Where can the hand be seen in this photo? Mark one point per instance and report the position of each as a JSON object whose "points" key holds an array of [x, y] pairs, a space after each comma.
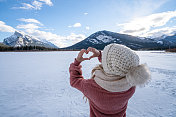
{"points": [[95, 52], [80, 55]]}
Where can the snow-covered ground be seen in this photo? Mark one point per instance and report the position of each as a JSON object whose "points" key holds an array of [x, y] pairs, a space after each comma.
{"points": [[36, 84]]}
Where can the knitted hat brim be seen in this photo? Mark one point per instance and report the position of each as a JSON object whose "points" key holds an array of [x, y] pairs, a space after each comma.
{"points": [[104, 58]]}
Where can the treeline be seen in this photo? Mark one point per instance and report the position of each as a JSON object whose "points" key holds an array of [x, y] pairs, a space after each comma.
{"points": [[171, 50], [159, 48], [27, 48], [40, 48]]}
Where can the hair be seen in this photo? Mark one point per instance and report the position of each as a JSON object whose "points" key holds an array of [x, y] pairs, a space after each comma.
{"points": [[98, 67]]}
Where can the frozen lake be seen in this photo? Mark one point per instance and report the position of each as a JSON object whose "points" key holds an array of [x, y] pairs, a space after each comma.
{"points": [[36, 84]]}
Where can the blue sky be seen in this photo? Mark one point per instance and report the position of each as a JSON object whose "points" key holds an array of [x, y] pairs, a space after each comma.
{"points": [[65, 22]]}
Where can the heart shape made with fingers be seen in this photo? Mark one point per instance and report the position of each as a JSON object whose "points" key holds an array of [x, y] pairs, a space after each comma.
{"points": [[87, 55]]}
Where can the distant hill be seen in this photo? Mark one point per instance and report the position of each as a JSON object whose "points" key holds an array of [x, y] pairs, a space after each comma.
{"points": [[3, 45], [168, 40], [102, 38], [19, 39]]}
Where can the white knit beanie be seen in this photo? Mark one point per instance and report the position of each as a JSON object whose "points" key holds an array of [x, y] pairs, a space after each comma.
{"points": [[122, 61]]}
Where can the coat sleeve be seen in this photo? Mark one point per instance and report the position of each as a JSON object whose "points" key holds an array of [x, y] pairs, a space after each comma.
{"points": [[76, 79]]}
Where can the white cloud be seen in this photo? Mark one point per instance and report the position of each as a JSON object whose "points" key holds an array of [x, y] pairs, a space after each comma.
{"points": [[160, 32], [36, 4], [28, 26], [60, 41], [85, 13], [48, 2], [33, 30], [140, 26], [75, 37], [53, 38], [87, 28], [24, 6], [76, 25], [5, 28], [30, 21]]}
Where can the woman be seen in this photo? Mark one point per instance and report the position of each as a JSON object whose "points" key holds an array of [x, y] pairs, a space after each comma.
{"points": [[113, 81]]}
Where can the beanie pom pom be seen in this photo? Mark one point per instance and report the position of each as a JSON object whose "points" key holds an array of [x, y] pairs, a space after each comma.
{"points": [[139, 75]]}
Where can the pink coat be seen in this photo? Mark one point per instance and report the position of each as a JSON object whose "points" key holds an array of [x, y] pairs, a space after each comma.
{"points": [[102, 102]]}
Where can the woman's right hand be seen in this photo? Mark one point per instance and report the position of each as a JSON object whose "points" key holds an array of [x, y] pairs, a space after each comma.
{"points": [[95, 52]]}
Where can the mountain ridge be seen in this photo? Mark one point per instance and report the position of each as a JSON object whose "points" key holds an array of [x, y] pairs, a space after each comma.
{"points": [[19, 39], [97, 40], [100, 39]]}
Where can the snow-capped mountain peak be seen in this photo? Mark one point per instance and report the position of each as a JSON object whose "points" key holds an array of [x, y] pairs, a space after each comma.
{"points": [[19, 39], [102, 38], [19, 34]]}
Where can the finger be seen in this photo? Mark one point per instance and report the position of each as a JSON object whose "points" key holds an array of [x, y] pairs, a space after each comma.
{"points": [[86, 52], [85, 58], [93, 50], [89, 49], [82, 52], [91, 57]]}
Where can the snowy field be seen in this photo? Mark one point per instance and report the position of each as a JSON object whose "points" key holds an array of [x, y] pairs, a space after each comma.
{"points": [[36, 84]]}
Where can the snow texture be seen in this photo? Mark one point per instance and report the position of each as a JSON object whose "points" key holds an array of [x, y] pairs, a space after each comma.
{"points": [[105, 39], [94, 41], [36, 84]]}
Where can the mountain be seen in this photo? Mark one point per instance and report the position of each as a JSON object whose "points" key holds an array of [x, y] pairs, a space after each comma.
{"points": [[168, 40], [19, 39], [3, 45], [102, 38]]}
